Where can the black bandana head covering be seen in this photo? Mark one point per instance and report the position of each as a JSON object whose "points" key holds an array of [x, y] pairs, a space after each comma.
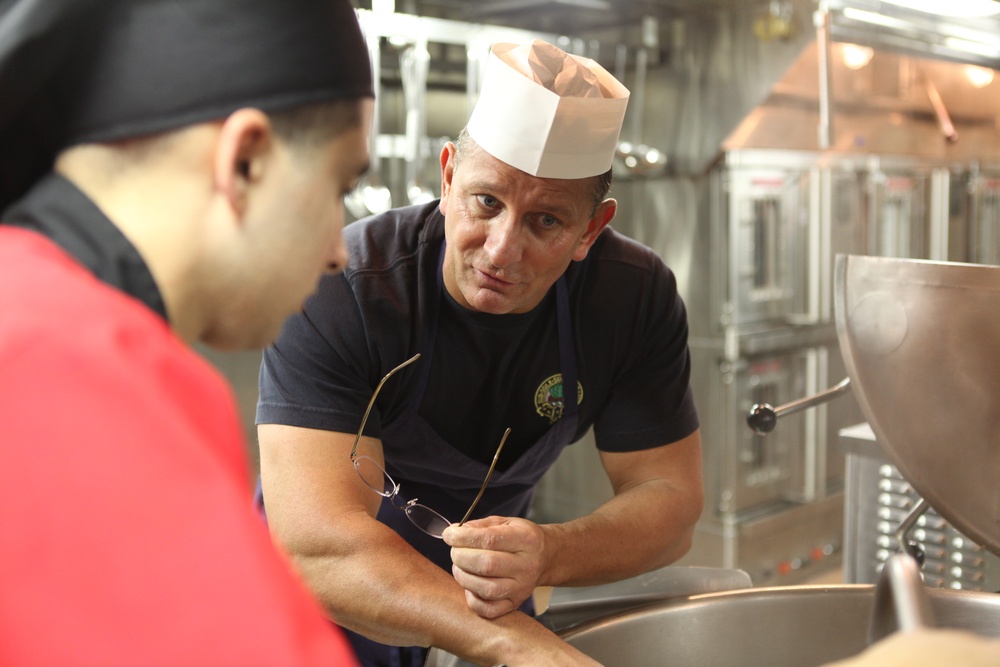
{"points": [[74, 71]]}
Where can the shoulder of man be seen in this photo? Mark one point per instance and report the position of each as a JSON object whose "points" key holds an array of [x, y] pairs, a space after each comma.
{"points": [[59, 310], [380, 241], [617, 257], [612, 244]]}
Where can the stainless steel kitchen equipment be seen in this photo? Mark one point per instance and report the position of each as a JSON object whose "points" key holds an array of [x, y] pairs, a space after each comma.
{"points": [[770, 512], [766, 213], [766, 334], [919, 341], [975, 214], [799, 626], [570, 606], [905, 209]]}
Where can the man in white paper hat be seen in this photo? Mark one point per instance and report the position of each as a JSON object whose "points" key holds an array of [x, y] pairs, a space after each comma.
{"points": [[529, 313]]}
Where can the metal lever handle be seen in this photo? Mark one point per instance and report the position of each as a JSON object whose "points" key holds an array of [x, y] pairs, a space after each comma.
{"points": [[762, 417], [901, 601], [906, 545]]}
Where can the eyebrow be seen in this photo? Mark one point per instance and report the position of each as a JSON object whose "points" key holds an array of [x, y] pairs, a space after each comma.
{"points": [[563, 211], [488, 186]]}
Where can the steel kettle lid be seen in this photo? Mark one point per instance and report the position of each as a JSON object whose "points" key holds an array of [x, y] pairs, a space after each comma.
{"points": [[921, 341]]}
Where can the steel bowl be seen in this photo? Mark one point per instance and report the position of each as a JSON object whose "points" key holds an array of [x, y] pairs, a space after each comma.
{"points": [[798, 626]]}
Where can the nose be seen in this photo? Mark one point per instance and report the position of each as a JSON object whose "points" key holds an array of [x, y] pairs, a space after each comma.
{"points": [[504, 243], [337, 257]]}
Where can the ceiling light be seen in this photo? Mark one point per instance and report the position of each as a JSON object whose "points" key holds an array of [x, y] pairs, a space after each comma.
{"points": [[953, 8], [968, 46], [874, 18], [979, 77], [856, 56]]}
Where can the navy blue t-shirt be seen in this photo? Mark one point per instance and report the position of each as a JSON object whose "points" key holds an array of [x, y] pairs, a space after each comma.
{"points": [[488, 372]]}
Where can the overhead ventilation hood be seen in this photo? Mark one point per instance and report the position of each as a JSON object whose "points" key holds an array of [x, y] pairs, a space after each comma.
{"points": [[723, 87], [718, 80], [962, 31], [892, 104]]}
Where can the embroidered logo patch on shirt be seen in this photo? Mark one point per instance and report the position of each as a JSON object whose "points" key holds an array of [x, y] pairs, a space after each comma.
{"points": [[550, 398]]}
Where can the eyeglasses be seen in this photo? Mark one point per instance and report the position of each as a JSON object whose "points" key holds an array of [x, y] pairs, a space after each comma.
{"points": [[379, 481]]}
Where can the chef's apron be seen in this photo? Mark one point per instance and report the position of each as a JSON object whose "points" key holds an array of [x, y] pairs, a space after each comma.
{"points": [[429, 469]]}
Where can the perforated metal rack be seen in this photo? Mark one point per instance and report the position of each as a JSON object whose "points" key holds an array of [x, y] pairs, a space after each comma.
{"points": [[877, 499]]}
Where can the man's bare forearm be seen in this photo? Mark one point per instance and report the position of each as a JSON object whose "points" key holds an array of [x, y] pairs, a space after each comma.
{"points": [[374, 583]]}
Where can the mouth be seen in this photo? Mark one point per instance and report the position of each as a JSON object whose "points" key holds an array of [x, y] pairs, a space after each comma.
{"points": [[491, 281]]}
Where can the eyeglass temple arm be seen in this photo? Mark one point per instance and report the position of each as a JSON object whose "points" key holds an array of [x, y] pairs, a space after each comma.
{"points": [[487, 480], [378, 388]]}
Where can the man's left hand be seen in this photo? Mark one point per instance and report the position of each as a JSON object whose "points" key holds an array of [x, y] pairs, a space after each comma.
{"points": [[497, 560]]}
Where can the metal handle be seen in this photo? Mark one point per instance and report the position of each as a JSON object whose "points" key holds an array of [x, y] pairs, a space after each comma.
{"points": [[906, 545], [762, 417], [941, 111], [901, 601]]}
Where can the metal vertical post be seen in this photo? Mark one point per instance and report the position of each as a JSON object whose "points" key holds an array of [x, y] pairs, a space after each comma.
{"points": [[821, 20]]}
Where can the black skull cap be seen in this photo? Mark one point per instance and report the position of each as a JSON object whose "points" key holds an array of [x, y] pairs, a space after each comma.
{"points": [[77, 71]]}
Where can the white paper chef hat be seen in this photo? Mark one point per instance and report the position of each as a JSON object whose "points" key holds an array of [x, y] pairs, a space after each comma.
{"points": [[548, 113]]}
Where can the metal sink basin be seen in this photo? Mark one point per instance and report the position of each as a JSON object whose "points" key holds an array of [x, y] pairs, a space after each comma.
{"points": [[797, 626]]}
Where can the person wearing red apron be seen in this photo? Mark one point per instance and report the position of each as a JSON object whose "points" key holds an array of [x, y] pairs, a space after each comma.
{"points": [[128, 535]]}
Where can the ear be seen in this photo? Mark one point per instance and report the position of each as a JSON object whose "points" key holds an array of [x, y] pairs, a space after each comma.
{"points": [[244, 144], [447, 160], [602, 216]]}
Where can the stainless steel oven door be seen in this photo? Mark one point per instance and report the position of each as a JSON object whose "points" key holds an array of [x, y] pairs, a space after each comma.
{"points": [[769, 229], [984, 232], [899, 220], [763, 470]]}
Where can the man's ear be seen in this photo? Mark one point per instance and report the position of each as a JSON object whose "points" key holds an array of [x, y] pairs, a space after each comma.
{"points": [[447, 173], [602, 216], [244, 144]]}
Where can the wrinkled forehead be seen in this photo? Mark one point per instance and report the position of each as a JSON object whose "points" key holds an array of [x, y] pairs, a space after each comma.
{"points": [[478, 172]]}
